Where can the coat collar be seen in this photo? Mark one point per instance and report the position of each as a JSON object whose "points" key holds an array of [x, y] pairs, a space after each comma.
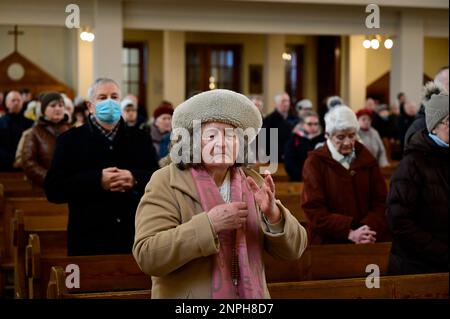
{"points": [[363, 157], [183, 181]]}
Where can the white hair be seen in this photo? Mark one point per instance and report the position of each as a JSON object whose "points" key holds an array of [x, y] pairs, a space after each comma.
{"points": [[340, 118], [99, 81]]}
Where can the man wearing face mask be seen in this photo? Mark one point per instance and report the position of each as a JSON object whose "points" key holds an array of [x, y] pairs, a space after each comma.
{"points": [[100, 169]]}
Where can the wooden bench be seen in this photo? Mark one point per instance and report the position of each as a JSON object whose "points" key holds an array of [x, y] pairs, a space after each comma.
{"points": [[288, 188], [51, 229], [56, 289], [97, 273], [391, 287], [6, 176], [293, 203], [394, 287], [320, 262], [26, 204]]}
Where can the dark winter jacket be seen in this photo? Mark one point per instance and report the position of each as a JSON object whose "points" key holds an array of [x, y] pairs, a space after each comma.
{"points": [[276, 120], [296, 151], [11, 129], [418, 204]]}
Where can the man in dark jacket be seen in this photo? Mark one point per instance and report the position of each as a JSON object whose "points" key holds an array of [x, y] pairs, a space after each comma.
{"points": [[278, 119], [418, 199], [12, 126], [100, 169]]}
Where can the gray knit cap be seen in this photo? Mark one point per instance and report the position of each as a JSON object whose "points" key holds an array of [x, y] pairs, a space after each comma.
{"points": [[436, 104], [219, 105]]}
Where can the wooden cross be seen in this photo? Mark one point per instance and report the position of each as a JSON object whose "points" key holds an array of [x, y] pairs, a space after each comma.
{"points": [[16, 34]]}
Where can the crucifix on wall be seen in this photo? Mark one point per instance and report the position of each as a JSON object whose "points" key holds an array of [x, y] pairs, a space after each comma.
{"points": [[16, 34]]}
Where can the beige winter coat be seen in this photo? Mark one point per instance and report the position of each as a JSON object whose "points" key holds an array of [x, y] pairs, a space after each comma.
{"points": [[175, 243]]}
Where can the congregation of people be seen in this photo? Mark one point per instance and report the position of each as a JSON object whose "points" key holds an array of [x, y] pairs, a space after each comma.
{"points": [[108, 163]]}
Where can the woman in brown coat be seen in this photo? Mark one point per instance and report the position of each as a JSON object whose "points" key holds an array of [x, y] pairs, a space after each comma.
{"points": [[344, 192], [39, 143], [204, 221]]}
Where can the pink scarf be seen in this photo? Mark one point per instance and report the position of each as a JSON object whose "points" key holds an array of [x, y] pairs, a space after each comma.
{"points": [[247, 239]]}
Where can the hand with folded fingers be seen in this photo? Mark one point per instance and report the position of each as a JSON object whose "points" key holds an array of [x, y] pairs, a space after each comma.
{"points": [[117, 180], [362, 235]]}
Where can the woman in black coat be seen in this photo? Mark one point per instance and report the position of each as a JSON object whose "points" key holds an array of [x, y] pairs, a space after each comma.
{"points": [[418, 200]]}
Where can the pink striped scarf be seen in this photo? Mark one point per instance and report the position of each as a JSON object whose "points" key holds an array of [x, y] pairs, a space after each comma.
{"points": [[247, 239]]}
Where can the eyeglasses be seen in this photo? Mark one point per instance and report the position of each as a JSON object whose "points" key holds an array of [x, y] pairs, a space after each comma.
{"points": [[445, 122], [312, 124]]}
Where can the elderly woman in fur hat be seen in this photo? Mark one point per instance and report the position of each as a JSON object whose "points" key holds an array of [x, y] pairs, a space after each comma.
{"points": [[344, 191], [201, 228], [418, 197]]}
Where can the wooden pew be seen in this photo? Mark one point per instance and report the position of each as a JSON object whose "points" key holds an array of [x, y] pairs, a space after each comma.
{"points": [[320, 262], [346, 260], [97, 273], [293, 203], [28, 204], [6, 176], [51, 228], [56, 289], [288, 188], [391, 287]]}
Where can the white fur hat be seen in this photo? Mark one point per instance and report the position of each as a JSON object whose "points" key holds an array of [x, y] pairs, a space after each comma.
{"points": [[218, 105], [340, 118]]}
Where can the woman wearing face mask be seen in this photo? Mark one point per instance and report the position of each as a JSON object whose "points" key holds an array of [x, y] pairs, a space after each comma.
{"points": [[39, 143], [202, 226], [100, 169], [344, 192], [418, 198]]}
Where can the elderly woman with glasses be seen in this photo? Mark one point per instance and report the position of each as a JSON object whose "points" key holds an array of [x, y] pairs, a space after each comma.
{"points": [[205, 219], [418, 199], [344, 191]]}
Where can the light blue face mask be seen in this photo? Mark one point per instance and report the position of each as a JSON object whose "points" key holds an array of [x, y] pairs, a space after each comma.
{"points": [[108, 111]]}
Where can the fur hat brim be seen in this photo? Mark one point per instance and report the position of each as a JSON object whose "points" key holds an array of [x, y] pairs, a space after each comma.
{"points": [[222, 106]]}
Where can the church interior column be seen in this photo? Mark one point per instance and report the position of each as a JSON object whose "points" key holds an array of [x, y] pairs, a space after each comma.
{"points": [[356, 72], [407, 59], [174, 60], [108, 30], [84, 65], [273, 69]]}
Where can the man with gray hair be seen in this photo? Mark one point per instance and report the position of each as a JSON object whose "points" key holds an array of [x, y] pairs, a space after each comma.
{"points": [[100, 169], [278, 119], [12, 125]]}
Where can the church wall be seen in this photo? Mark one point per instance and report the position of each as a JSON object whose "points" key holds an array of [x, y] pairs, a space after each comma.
{"points": [[47, 47]]}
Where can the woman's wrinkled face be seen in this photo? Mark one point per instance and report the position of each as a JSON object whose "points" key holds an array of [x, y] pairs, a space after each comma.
{"points": [[220, 145], [55, 111], [344, 140]]}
